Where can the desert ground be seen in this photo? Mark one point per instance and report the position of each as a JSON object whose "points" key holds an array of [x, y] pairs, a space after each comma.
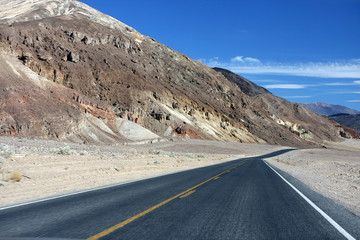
{"points": [[32, 169]]}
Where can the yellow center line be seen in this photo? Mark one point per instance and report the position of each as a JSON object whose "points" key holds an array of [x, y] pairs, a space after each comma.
{"points": [[187, 194], [117, 226], [216, 178]]}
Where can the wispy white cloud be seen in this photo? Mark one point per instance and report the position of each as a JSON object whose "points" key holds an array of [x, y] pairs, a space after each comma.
{"points": [[285, 86], [249, 65], [214, 61], [338, 84], [245, 60], [342, 83], [309, 70], [353, 101], [252, 60], [267, 81], [296, 97], [238, 59], [344, 92]]}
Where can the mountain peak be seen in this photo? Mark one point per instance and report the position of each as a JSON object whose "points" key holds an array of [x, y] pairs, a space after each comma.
{"points": [[13, 11]]}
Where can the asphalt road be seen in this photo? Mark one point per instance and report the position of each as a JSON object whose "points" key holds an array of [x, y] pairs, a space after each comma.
{"points": [[242, 199]]}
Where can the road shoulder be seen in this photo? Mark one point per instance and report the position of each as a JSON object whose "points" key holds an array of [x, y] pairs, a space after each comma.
{"points": [[343, 216]]}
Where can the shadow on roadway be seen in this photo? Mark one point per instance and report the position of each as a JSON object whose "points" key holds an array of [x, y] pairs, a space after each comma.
{"points": [[273, 154]]}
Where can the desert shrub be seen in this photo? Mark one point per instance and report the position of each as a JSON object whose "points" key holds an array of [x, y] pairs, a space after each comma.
{"points": [[172, 154], [15, 176], [84, 153], [190, 155], [6, 151], [65, 151], [2, 161], [157, 162], [157, 152], [133, 151], [154, 151]]}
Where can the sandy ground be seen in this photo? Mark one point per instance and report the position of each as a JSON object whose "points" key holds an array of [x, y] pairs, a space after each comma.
{"points": [[33, 169], [335, 173], [46, 175]]}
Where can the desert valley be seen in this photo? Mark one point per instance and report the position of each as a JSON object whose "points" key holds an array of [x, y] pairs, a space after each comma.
{"points": [[87, 101]]}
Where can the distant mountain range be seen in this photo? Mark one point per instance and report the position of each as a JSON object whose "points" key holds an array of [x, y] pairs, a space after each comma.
{"points": [[329, 109]]}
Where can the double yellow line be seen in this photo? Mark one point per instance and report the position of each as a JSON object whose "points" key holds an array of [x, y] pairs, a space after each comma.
{"points": [[186, 192]]}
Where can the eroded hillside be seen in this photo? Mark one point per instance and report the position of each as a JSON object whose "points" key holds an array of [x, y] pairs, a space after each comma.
{"points": [[138, 79]]}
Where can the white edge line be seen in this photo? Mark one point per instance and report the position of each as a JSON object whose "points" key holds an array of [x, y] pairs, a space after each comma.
{"points": [[102, 187], [327, 217]]}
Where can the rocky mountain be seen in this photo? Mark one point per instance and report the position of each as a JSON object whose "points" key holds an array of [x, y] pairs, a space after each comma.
{"points": [[69, 72], [245, 85], [297, 118], [349, 120], [326, 109]]}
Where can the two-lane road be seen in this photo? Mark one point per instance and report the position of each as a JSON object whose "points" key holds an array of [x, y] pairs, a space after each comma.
{"points": [[242, 199]]}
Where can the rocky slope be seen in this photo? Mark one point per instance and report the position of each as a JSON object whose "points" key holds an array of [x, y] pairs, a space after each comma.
{"points": [[326, 109], [32, 106], [295, 117], [99, 68], [245, 85], [349, 120]]}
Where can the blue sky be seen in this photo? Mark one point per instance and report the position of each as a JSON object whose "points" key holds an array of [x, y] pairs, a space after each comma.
{"points": [[304, 51]]}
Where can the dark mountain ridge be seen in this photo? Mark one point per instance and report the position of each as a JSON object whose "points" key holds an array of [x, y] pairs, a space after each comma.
{"points": [[246, 86], [349, 120], [326, 109]]}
